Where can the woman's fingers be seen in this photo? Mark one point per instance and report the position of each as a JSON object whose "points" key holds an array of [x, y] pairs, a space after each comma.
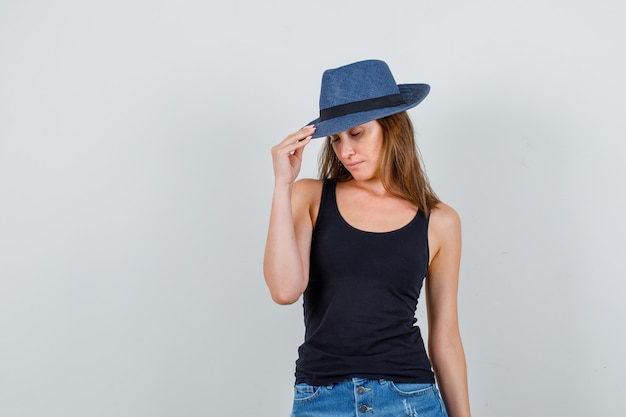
{"points": [[294, 140], [287, 154]]}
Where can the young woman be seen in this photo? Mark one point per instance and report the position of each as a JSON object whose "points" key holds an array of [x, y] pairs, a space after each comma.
{"points": [[358, 245]]}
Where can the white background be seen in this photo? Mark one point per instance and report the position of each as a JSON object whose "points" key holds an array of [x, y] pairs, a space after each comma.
{"points": [[135, 182]]}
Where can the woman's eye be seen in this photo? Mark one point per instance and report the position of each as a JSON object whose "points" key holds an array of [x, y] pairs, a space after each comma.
{"points": [[354, 134], [334, 140]]}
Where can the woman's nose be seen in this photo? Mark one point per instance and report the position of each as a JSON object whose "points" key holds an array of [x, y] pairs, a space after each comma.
{"points": [[346, 149]]}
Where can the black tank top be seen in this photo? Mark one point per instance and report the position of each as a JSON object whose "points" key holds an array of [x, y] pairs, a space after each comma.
{"points": [[359, 306]]}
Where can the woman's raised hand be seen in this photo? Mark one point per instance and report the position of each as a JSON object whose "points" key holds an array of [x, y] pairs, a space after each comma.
{"points": [[287, 155]]}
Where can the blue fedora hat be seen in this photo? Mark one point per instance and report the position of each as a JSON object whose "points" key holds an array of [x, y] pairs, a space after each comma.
{"points": [[361, 92]]}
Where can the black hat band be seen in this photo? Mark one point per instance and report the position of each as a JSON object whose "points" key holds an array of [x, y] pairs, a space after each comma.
{"points": [[363, 105]]}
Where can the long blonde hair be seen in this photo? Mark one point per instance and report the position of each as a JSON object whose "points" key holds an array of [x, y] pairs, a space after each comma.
{"points": [[402, 173]]}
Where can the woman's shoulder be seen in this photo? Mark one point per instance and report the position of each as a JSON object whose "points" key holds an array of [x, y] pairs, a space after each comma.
{"points": [[306, 195], [308, 187], [444, 220], [444, 232]]}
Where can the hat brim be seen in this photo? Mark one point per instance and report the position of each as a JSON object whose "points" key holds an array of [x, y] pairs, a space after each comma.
{"points": [[412, 94]]}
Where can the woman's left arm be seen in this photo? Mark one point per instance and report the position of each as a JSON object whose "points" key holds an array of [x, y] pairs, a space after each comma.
{"points": [[444, 338]]}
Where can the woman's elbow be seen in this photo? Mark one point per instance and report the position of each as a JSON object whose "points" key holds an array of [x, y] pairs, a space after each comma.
{"points": [[282, 293], [284, 289], [284, 301], [284, 297]]}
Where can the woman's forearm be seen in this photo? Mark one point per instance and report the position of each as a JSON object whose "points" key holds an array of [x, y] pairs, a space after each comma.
{"points": [[450, 368]]}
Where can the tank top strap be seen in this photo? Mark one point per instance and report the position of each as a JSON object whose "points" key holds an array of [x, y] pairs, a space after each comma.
{"points": [[328, 202]]}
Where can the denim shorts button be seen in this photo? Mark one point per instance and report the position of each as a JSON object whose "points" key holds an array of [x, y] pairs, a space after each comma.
{"points": [[361, 390], [363, 408]]}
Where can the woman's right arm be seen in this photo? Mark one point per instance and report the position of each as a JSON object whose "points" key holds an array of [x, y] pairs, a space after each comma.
{"points": [[286, 262]]}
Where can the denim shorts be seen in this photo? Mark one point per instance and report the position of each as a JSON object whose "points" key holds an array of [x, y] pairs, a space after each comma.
{"points": [[367, 397]]}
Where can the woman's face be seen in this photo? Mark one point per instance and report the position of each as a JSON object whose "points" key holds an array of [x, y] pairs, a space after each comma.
{"points": [[360, 150]]}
